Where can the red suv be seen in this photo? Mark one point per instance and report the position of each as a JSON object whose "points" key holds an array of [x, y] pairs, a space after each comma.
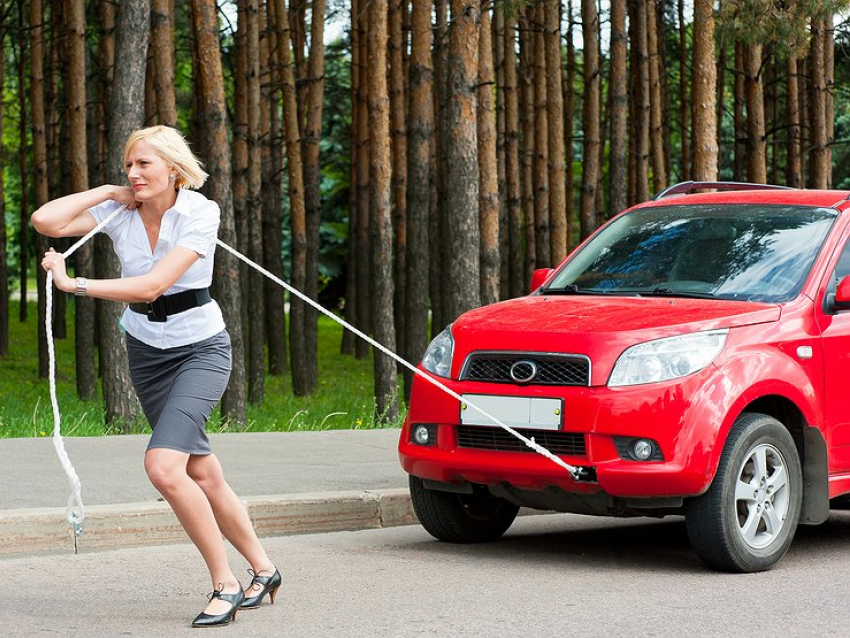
{"points": [[689, 358]]}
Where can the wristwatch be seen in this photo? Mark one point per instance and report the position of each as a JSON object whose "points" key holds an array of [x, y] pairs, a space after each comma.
{"points": [[81, 287]]}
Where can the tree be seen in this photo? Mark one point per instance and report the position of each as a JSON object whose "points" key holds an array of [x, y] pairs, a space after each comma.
{"points": [[488, 198], [386, 400], [754, 94], [306, 371], [162, 50], [590, 117], [703, 95], [420, 131], [398, 138], [126, 113], [78, 166], [461, 218], [254, 211], [555, 99], [213, 114], [512, 160], [39, 158], [619, 108], [542, 220]]}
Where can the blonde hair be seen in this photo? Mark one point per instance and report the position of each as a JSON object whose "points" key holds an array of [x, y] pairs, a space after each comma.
{"points": [[170, 145]]}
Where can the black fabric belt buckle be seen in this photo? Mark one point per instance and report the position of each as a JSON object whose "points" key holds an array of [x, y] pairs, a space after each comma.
{"points": [[162, 307]]}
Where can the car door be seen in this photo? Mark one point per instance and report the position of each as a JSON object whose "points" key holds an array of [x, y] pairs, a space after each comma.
{"points": [[835, 335]]}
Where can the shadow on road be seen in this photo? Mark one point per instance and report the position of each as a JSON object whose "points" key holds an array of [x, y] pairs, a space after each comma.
{"points": [[630, 544]]}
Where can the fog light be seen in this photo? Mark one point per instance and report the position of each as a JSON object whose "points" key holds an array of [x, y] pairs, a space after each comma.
{"points": [[424, 434], [643, 449]]}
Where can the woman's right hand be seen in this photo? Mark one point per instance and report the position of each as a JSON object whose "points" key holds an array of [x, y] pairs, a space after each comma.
{"points": [[125, 196]]}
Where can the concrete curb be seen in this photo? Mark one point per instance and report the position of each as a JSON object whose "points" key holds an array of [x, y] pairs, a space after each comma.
{"points": [[38, 531]]}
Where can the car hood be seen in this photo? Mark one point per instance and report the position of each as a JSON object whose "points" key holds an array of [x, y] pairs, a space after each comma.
{"points": [[595, 326]]}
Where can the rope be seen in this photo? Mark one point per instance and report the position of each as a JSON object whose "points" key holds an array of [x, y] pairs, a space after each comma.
{"points": [[75, 519], [575, 472]]}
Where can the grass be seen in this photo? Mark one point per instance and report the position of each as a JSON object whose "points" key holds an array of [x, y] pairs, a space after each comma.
{"points": [[343, 400]]}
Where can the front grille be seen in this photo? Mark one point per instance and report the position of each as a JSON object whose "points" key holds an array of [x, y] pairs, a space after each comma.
{"points": [[487, 438], [552, 369]]}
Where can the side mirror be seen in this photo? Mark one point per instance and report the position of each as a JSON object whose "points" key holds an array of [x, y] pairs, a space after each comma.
{"points": [[842, 295], [542, 274]]}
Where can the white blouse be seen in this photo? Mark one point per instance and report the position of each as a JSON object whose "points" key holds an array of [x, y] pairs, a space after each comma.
{"points": [[191, 223]]}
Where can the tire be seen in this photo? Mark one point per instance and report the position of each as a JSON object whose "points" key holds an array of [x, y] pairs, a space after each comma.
{"points": [[743, 530], [479, 517]]}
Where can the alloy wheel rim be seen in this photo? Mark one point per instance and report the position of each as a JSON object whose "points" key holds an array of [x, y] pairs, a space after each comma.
{"points": [[762, 496]]}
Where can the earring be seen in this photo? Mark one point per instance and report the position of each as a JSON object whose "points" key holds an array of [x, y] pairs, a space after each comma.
{"points": [[171, 178]]}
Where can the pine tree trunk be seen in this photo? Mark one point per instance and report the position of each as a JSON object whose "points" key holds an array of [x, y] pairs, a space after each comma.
{"points": [[569, 118], [818, 159], [255, 302], [641, 101], [590, 117], [273, 198], [794, 170], [309, 375], [542, 220], [754, 90], [298, 221], [39, 157], [555, 98], [162, 50], [23, 215], [398, 138], [656, 103], [463, 234], [386, 400], [126, 114], [740, 166], [516, 278], [619, 108], [84, 320], [420, 133], [488, 197], [363, 245], [684, 103], [210, 91], [347, 346], [702, 92], [527, 70]]}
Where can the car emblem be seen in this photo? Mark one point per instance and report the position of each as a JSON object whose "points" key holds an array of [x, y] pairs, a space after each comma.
{"points": [[523, 371]]}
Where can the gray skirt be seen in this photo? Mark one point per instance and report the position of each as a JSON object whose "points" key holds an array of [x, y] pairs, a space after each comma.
{"points": [[178, 389]]}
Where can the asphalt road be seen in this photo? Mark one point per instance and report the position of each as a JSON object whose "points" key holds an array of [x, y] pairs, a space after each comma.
{"points": [[553, 575]]}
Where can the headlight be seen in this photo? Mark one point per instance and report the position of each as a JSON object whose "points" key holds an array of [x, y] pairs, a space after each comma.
{"points": [[665, 359], [438, 355]]}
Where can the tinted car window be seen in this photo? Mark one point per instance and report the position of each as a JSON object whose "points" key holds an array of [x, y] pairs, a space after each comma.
{"points": [[753, 253]]}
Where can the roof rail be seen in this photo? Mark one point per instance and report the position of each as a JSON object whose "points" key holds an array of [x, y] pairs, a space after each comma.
{"points": [[683, 188]]}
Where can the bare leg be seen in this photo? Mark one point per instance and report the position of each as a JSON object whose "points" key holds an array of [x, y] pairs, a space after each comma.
{"points": [[167, 470], [230, 513]]}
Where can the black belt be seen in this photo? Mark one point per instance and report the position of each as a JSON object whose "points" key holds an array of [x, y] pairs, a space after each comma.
{"points": [[162, 307]]}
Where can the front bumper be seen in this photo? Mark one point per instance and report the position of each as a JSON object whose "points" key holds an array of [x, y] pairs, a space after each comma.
{"points": [[682, 416]]}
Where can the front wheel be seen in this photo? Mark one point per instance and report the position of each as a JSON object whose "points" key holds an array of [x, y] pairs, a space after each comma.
{"points": [[461, 518], [746, 520]]}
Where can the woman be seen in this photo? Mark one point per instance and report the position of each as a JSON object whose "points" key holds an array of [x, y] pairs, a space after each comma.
{"points": [[177, 345]]}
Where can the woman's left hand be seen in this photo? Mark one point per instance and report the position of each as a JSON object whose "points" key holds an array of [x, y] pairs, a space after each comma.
{"points": [[55, 262]]}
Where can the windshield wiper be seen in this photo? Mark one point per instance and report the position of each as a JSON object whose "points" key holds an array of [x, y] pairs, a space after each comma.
{"points": [[661, 291], [572, 289]]}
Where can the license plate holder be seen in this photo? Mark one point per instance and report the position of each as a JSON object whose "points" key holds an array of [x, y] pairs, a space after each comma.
{"points": [[536, 413]]}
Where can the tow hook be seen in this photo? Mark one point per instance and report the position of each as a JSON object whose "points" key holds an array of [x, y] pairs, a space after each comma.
{"points": [[585, 474]]}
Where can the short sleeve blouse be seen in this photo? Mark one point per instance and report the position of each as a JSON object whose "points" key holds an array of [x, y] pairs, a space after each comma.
{"points": [[191, 223]]}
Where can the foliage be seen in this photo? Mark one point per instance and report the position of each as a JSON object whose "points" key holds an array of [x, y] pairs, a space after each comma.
{"points": [[342, 401]]}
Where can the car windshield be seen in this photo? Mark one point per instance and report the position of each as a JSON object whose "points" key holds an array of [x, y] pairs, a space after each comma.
{"points": [[753, 253]]}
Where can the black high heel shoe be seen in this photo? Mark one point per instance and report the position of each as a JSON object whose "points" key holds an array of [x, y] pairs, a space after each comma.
{"points": [[268, 585], [218, 620]]}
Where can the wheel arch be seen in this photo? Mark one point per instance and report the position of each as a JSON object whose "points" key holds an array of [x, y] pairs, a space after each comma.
{"points": [[811, 448]]}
